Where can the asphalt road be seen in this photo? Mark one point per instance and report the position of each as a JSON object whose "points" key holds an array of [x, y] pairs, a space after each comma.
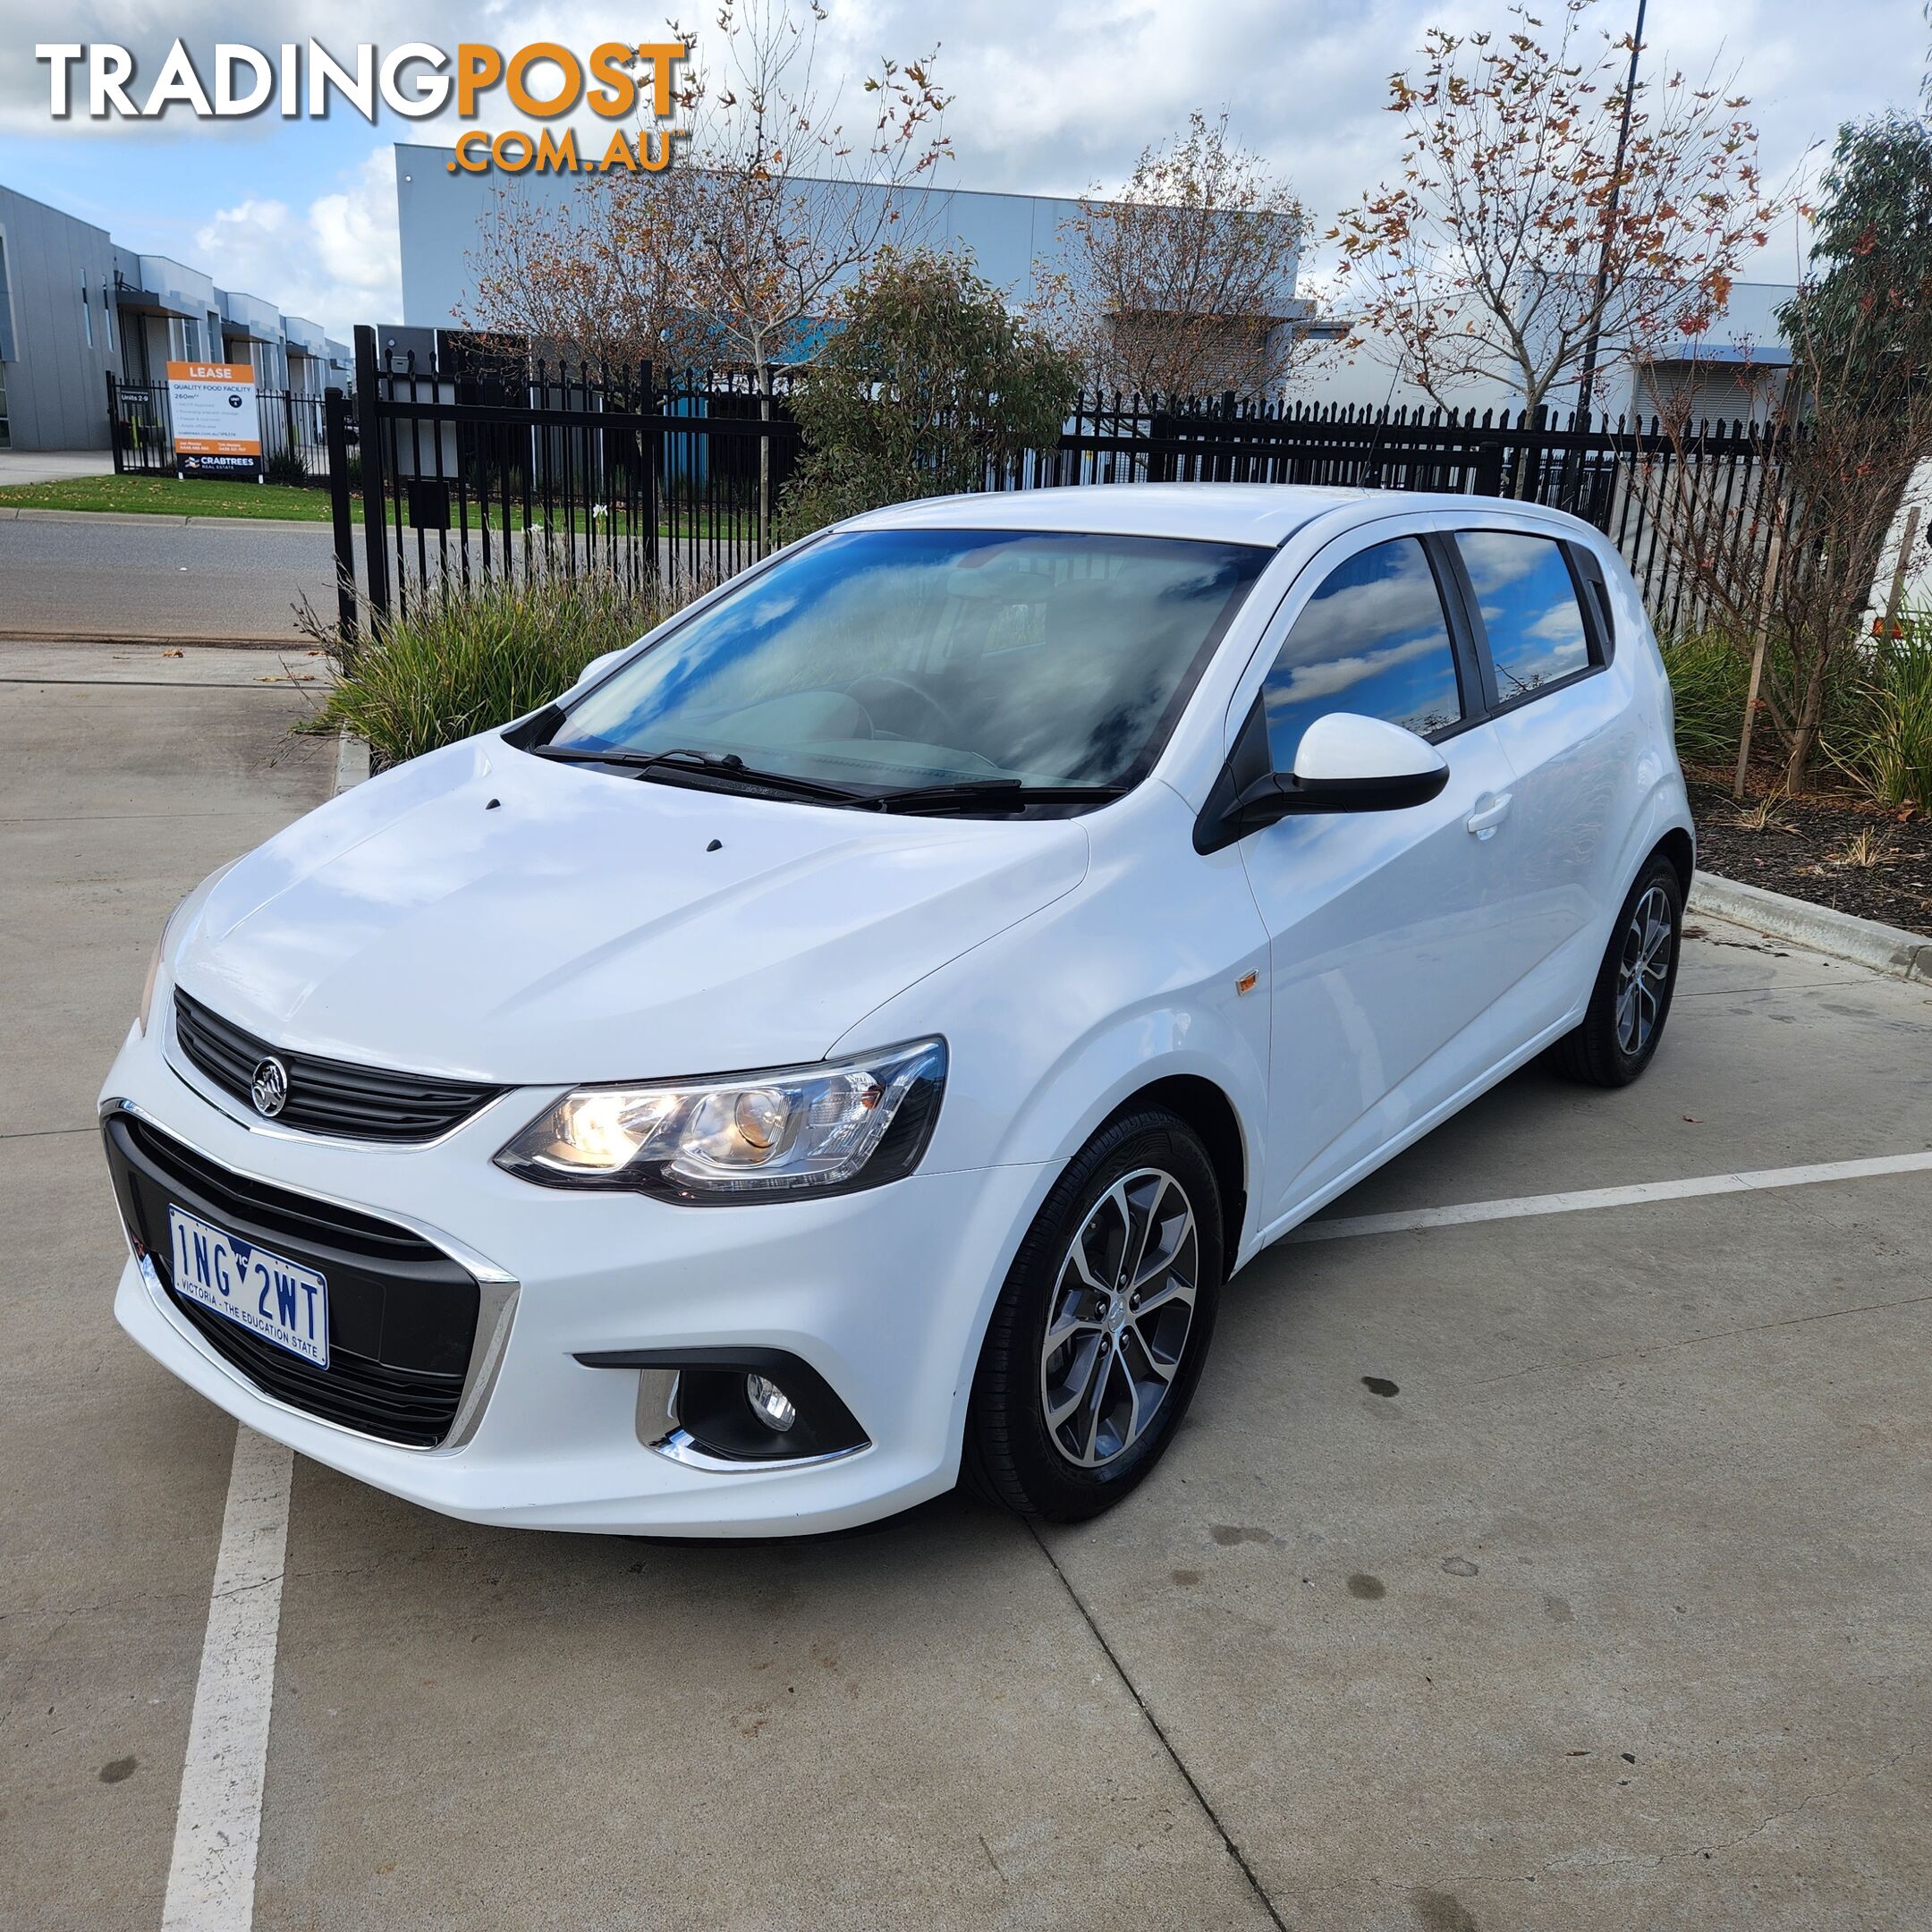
{"points": [[1560, 1571], [145, 576]]}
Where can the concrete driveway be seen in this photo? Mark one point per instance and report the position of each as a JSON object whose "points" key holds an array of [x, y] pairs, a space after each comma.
{"points": [[1565, 1569]]}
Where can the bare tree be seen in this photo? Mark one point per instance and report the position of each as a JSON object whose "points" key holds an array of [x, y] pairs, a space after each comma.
{"points": [[789, 190], [593, 279], [1180, 286], [734, 253], [1520, 228], [1856, 420]]}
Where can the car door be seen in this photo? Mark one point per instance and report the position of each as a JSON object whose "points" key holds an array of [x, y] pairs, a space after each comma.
{"points": [[1384, 942], [1575, 746]]}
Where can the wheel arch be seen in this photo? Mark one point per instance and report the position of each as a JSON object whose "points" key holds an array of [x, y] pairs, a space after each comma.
{"points": [[1208, 1109], [1676, 846]]}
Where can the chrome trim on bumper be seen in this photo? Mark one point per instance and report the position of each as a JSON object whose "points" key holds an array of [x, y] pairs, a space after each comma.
{"points": [[497, 1296], [679, 1447]]}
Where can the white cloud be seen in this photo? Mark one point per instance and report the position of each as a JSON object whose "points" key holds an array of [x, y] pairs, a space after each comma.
{"points": [[335, 262], [1051, 95]]}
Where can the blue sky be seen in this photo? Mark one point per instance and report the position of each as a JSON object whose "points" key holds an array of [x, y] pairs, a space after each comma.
{"points": [[1053, 96]]}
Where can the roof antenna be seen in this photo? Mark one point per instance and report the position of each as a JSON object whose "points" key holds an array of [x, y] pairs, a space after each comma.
{"points": [[1371, 470]]}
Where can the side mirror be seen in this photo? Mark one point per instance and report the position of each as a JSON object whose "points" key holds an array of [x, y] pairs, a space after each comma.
{"points": [[596, 669], [1349, 763], [1344, 763]]}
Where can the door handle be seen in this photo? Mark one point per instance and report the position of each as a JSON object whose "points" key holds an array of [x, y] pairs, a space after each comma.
{"points": [[1484, 820]]}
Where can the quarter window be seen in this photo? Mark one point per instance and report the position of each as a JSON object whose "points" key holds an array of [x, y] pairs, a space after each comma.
{"points": [[1529, 610], [1372, 640]]}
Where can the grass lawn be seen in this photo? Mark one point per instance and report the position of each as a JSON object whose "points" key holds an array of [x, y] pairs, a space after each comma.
{"points": [[162, 495]]}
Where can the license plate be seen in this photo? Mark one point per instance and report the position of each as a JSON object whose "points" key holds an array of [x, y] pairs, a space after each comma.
{"points": [[282, 1301]]}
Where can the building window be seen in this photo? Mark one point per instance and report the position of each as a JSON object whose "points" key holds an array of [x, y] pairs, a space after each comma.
{"points": [[7, 350], [87, 311]]}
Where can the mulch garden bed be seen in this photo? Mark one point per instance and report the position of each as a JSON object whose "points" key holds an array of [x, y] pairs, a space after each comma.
{"points": [[1811, 848]]}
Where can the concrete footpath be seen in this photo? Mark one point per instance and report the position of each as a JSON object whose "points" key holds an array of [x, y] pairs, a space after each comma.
{"points": [[1560, 1571]]}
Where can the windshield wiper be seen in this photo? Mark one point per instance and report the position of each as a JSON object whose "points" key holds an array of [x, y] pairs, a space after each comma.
{"points": [[1001, 795], [728, 766]]}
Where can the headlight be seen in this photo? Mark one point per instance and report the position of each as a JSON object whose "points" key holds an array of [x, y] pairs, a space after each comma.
{"points": [[837, 1125]]}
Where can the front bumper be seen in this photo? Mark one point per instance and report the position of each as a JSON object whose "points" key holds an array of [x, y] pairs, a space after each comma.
{"points": [[884, 1293]]}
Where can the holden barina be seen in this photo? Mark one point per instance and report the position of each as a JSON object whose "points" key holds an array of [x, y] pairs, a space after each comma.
{"points": [[846, 1042]]}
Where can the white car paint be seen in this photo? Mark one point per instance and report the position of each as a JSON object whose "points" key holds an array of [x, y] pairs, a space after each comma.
{"points": [[582, 930]]}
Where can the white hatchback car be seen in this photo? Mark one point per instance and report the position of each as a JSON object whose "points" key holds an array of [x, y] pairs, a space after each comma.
{"points": [[852, 1036]]}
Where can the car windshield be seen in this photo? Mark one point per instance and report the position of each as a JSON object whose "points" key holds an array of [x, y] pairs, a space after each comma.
{"points": [[888, 661]]}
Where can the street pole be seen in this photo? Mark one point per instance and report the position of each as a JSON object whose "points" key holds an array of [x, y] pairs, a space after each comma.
{"points": [[1585, 381]]}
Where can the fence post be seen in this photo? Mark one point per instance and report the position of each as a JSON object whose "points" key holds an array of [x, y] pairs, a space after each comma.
{"points": [[114, 420], [651, 447], [374, 512], [336, 431]]}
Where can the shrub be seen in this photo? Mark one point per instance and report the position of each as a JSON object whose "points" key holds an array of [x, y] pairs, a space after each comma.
{"points": [[928, 382], [1707, 675], [482, 655], [286, 466], [1890, 751]]}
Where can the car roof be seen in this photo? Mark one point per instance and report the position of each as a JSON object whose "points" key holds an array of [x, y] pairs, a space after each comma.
{"points": [[1265, 514], [1227, 513]]}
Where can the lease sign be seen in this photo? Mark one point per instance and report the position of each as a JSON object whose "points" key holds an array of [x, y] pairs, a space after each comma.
{"points": [[217, 426]]}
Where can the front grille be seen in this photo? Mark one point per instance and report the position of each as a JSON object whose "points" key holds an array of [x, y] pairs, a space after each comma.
{"points": [[327, 1096], [402, 1315]]}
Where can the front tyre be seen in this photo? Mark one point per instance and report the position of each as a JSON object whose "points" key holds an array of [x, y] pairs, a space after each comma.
{"points": [[1100, 1333], [1632, 998]]}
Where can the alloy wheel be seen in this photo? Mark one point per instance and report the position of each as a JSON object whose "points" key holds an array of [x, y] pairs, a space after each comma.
{"points": [[1122, 1310], [1643, 971]]}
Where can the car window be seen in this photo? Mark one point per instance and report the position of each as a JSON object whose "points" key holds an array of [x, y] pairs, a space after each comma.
{"points": [[1529, 610], [1372, 639], [886, 658]]}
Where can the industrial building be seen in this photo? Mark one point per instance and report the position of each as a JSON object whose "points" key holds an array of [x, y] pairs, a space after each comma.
{"points": [[77, 307]]}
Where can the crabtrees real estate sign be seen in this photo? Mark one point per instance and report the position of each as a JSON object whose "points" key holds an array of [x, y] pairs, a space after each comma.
{"points": [[216, 422]]}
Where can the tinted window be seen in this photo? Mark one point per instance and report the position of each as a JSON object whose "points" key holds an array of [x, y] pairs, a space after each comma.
{"points": [[1529, 610], [1372, 639], [897, 657]]}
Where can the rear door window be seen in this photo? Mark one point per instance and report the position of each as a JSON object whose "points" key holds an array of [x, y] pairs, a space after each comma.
{"points": [[1530, 615]]}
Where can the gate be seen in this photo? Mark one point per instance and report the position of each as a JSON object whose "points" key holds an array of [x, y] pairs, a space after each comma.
{"points": [[138, 429]]}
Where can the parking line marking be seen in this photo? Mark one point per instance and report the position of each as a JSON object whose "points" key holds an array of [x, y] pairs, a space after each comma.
{"points": [[1521, 1207], [218, 1823]]}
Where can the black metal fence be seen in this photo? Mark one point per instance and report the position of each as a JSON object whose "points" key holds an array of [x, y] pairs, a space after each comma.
{"points": [[476, 464], [1627, 478], [479, 466], [294, 444]]}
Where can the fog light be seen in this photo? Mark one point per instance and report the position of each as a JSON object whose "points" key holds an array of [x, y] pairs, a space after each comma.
{"points": [[770, 1403]]}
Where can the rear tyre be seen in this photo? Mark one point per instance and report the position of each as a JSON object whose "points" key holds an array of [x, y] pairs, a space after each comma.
{"points": [[1098, 1338], [1632, 998]]}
